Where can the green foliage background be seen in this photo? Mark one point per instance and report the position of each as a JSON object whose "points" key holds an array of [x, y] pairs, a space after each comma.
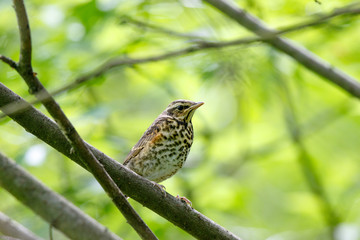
{"points": [[243, 171]]}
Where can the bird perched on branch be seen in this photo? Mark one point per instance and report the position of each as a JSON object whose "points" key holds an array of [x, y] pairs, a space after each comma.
{"points": [[164, 147]]}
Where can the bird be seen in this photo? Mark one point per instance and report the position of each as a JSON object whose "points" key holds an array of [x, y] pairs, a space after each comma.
{"points": [[163, 148]]}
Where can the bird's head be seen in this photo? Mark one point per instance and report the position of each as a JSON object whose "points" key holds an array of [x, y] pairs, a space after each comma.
{"points": [[182, 110]]}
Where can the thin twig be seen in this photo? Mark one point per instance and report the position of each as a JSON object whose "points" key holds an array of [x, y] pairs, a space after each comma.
{"points": [[51, 232], [25, 36], [351, 9], [145, 25], [79, 146], [300, 54], [8, 61]]}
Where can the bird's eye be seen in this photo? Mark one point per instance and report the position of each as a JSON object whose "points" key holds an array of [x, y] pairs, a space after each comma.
{"points": [[181, 107]]}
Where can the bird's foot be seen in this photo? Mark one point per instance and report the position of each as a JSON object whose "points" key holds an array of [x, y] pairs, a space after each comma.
{"points": [[185, 200], [72, 150], [161, 187]]}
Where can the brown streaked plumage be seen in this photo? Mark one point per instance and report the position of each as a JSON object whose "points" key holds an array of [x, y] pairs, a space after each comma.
{"points": [[164, 147]]}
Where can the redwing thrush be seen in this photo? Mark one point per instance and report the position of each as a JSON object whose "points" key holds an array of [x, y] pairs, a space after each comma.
{"points": [[164, 147]]}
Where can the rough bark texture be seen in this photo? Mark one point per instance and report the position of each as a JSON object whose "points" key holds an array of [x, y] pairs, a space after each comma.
{"points": [[50, 206], [13, 229]]}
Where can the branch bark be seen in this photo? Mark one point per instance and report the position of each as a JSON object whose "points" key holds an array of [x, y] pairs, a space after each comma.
{"points": [[13, 229], [300, 54], [25, 37], [25, 70], [133, 185], [52, 207], [8, 61]]}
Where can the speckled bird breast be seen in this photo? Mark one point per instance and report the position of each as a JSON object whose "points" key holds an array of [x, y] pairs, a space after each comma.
{"points": [[166, 153]]}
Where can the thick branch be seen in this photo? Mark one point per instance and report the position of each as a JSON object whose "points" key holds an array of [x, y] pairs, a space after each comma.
{"points": [[132, 184], [70, 132], [11, 228], [52, 207], [302, 55], [63, 215]]}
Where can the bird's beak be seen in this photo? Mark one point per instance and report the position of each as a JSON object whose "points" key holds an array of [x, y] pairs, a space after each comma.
{"points": [[191, 110], [197, 105]]}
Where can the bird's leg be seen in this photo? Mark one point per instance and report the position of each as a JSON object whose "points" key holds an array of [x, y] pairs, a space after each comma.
{"points": [[161, 187], [184, 199]]}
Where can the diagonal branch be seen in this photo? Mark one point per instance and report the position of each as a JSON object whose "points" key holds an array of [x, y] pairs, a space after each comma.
{"points": [[78, 145], [13, 229], [133, 185], [351, 9], [300, 54], [145, 25], [8, 61], [52, 207]]}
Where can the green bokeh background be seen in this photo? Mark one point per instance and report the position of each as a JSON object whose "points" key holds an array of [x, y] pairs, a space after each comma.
{"points": [[243, 171]]}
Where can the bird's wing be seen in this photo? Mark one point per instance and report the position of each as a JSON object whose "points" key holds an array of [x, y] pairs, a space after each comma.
{"points": [[151, 134]]}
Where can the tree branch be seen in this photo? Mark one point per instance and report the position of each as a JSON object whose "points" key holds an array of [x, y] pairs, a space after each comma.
{"points": [[25, 37], [351, 9], [52, 207], [302, 55], [8, 61], [145, 25], [69, 130], [11, 228], [133, 185]]}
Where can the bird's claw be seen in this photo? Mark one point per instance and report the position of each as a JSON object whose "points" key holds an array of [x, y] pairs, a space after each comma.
{"points": [[72, 150], [185, 200], [161, 187]]}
